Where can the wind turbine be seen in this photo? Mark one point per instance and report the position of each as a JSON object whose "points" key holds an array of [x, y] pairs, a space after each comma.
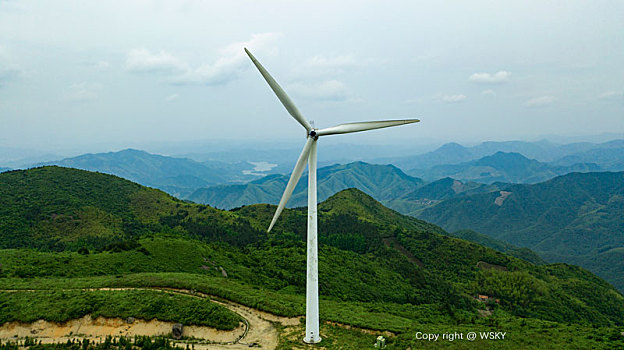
{"points": [[308, 155]]}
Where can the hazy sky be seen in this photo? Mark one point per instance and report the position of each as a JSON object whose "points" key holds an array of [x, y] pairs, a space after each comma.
{"points": [[78, 73]]}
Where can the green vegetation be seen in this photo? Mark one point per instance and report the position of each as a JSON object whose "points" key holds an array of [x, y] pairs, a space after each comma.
{"points": [[55, 209], [520, 333], [64, 305], [576, 218], [429, 194], [110, 343], [378, 269], [501, 246]]}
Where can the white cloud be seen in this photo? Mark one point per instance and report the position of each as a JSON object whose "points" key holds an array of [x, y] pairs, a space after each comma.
{"points": [[540, 101], [82, 92], [611, 95], [487, 78], [171, 97], [329, 90], [143, 61], [320, 61], [453, 98], [488, 92], [231, 61]]}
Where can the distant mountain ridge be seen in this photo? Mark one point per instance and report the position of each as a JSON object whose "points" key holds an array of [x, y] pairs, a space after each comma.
{"points": [[501, 167], [177, 176], [608, 158], [390, 185], [380, 181], [543, 151]]}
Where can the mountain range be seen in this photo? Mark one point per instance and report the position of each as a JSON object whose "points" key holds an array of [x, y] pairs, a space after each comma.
{"points": [[543, 151], [383, 182], [502, 167], [449, 195], [390, 185], [575, 218], [372, 259], [177, 176], [488, 162], [608, 158]]}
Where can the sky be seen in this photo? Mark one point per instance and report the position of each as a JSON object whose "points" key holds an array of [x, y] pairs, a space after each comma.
{"points": [[106, 75]]}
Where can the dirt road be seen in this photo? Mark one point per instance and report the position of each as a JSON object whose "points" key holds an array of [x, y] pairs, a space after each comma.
{"points": [[257, 328]]}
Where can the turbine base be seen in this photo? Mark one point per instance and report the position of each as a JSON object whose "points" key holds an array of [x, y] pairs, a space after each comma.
{"points": [[312, 340]]}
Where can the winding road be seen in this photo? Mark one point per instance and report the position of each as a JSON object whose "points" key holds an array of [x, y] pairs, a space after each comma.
{"points": [[258, 329]]}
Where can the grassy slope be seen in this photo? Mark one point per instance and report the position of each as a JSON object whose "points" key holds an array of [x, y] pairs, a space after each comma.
{"points": [[64, 305]]}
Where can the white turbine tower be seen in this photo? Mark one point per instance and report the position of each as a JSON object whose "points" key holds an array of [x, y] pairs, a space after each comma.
{"points": [[308, 155]]}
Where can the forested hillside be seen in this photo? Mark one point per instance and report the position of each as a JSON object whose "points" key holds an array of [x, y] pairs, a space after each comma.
{"points": [[575, 218]]}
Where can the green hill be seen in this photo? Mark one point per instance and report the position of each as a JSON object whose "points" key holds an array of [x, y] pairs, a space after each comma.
{"points": [[575, 218], [378, 269], [54, 208], [380, 181]]}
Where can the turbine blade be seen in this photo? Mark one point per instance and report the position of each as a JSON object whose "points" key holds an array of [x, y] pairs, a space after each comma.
{"points": [[363, 126], [294, 178], [281, 94]]}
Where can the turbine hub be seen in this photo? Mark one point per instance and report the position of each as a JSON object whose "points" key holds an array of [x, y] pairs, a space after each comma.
{"points": [[312, 133]]}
